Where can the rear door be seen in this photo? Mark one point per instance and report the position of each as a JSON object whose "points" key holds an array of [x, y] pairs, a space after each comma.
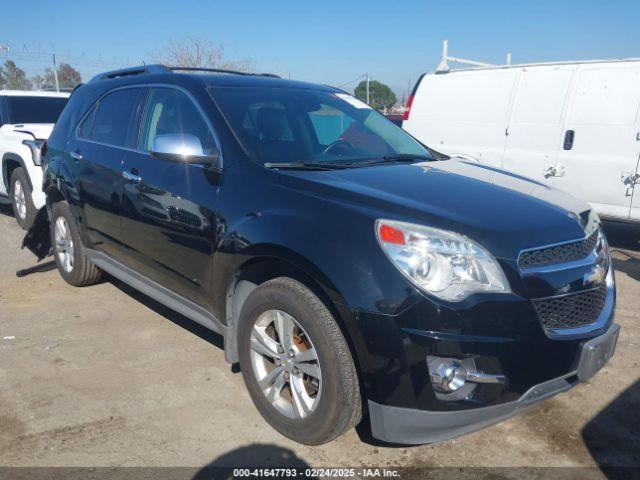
{"points": [[535, 126], [97, 152], [601, 143], [168, 206]]}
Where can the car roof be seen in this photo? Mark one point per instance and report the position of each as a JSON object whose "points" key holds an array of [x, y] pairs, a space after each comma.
{"points": [[32, 93], [212, 78]]}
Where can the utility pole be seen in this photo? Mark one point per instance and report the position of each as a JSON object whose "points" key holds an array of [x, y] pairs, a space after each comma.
{"points": [[367, 89], [55, 73]]}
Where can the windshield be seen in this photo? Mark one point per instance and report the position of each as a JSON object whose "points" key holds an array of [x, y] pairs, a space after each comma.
{"points": [[287, 125], [35, 109]]}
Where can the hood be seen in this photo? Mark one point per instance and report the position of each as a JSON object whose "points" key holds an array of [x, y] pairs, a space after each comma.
{"points": [[39, 130], [503, 211]]}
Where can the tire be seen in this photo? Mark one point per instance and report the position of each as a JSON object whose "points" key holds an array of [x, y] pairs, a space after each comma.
{"points": [[70, 255], [21, 202], [333, 403]]}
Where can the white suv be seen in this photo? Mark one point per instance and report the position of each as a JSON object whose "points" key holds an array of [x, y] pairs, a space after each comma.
{"points": [[26, 120]]}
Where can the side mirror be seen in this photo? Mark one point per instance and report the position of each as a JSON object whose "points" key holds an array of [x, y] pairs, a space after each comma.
{"points": [[182, 147]]}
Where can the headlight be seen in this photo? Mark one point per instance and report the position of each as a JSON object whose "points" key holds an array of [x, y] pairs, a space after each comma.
{"points": [[444, 264]]}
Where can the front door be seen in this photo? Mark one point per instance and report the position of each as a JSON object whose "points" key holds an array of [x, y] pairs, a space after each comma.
{"points": [[601, 137], [168, 206], [97, 152], [535, 125]]}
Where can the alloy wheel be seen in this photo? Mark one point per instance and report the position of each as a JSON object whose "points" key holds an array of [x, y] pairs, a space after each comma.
{"points": [[285, 364], [64, 244], [20, 199]]}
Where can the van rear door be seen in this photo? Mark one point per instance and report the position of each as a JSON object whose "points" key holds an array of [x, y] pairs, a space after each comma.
{"points": [[600, 143], [535, 125]]}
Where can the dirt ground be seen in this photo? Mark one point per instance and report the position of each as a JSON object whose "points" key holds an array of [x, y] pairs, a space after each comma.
{"points": [[103, 376]]}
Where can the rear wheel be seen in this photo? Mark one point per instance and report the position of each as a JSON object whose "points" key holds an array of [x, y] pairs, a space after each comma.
{"points": [[296, 363], [20, 194], [70, 255]]}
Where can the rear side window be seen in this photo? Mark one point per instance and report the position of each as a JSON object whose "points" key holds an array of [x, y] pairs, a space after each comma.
{"points": [[34, 109], [84, 129], [113, 117]]}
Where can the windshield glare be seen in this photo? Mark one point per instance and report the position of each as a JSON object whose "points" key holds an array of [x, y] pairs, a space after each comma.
{"points": [[285, 125], [35, 109]]}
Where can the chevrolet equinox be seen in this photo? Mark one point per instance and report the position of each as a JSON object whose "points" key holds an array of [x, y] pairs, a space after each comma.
{"points": [[352, 271]]}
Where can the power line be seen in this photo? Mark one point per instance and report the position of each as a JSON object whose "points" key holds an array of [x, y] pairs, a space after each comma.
{"points": [[351, 81]]}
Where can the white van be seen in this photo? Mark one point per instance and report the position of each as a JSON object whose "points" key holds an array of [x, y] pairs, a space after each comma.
{"points": [[575, 126]]}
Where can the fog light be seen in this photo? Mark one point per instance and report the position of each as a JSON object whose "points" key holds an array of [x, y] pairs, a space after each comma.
{"points": [[452, 377]]}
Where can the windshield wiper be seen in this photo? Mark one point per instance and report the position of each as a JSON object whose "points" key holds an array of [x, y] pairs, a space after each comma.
{"points": [[304, 165], [399, 157]]}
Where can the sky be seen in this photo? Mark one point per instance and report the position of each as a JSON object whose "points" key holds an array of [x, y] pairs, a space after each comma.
{"points": [[326, 41]]}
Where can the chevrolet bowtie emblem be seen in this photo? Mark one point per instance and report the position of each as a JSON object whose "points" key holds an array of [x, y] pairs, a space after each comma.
{"points": [[595, 276]]}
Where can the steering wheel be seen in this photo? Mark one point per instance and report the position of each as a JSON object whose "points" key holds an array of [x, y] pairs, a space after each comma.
{"points": [[336, 144]]}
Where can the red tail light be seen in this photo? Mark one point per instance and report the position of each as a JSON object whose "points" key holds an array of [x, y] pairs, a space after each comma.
{"points": [[405, 116]]}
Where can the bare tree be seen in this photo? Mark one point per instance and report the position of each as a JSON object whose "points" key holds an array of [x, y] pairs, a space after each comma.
{"points": [[198, 52]]}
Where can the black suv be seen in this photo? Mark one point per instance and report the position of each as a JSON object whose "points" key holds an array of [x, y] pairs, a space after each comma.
{"points": [[352, 271]]}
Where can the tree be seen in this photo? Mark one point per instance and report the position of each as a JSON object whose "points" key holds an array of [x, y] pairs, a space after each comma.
{"points": [[13, 78], [38, 82], [198, 52], [381, 97], [68, 77]]}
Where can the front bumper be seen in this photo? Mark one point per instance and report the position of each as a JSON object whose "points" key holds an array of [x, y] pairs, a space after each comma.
{"points": [[413, 426]]}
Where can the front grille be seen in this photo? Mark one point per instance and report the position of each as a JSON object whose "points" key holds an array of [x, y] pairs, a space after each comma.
{"points": [[564, 253], [571, 311]]}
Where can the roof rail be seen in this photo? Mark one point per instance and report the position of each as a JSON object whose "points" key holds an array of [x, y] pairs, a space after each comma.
{"points": [[125, 72], [219, 70]]}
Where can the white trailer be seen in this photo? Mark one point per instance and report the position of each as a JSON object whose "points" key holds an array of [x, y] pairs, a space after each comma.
{"points": [[571, 125]]}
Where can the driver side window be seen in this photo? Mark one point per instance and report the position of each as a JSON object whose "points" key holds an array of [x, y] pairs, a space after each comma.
{"points": [[171, 113]]}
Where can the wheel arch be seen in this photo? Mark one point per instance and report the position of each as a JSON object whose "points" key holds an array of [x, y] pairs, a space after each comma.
{"points": [[259, 269], [11, 161]]}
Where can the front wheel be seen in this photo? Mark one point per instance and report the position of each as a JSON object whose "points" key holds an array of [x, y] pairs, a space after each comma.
{"points": [[297, 364], [20, 193]]}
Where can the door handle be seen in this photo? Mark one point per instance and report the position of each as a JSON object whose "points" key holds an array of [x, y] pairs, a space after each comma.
{"points": [[569, 135], [76, 155], [131, 177]]}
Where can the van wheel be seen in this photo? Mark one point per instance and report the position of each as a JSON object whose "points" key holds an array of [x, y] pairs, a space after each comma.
{"points": [[20, 194], [70, 254], [296, 363]]}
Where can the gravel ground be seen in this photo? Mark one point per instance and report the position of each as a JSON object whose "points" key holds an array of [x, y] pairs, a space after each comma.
{"points": [[103, 376]]}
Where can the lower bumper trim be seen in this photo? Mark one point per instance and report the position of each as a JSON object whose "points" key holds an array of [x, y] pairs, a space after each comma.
{"points": [[412, 427]]}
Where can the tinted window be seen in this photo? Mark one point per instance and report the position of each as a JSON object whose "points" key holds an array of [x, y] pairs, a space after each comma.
{"points": [[84, 129], [170, 112], [113, 117], [289, 125], [34, 109]]}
